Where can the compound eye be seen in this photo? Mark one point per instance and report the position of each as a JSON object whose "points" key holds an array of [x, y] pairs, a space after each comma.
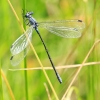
{"points": [[27, 15]]}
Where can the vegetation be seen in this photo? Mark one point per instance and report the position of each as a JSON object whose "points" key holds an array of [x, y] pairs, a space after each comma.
{"points": [[76, 59]]}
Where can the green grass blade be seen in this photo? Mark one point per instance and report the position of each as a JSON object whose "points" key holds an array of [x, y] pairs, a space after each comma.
{"points": [[1, 89], [25, 60]]}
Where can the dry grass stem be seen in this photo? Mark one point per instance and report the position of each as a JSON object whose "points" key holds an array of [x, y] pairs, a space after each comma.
{"points": [[8, 86], [34, 51], [47, 91], [58, 67], [79, 68], [77, 43]]}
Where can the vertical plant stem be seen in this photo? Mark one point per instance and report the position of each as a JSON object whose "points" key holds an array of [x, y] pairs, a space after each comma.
{"points": [[94, 52], [8, 86], [34, 52], [78, 70], [92, 72], [25, 60], [1, 89]]}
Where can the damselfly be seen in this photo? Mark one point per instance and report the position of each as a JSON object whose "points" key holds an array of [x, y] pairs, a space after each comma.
{"points": [[65, 28]]}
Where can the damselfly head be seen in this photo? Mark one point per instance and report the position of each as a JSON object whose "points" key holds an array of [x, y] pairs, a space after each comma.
{"points": [[28, 14]]}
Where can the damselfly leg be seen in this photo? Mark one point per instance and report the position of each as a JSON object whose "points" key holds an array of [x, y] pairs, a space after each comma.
{"points": [[64, 28]]}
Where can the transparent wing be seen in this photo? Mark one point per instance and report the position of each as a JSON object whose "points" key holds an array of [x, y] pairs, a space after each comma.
{"points": [[22, 42], [20, 47], [16, 59], [65, 28]]}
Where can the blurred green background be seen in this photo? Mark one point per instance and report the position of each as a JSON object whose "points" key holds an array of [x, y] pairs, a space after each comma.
{"points": [[62, 50]]}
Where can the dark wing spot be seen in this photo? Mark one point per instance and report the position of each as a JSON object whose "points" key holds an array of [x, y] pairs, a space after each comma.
{"points": [[11, 57], [79, 20], [11, 46]]}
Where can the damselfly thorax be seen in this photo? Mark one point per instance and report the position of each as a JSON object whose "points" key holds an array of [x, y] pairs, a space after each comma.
{"points": [[63, 28]]}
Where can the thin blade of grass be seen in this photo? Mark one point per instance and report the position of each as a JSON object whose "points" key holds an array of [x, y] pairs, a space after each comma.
{"points": [[48, 93], [7, 83], [77, 43], [58, 67], [1, 89], [79, 69], [25, 59], [72, 89], [34, 52]]}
